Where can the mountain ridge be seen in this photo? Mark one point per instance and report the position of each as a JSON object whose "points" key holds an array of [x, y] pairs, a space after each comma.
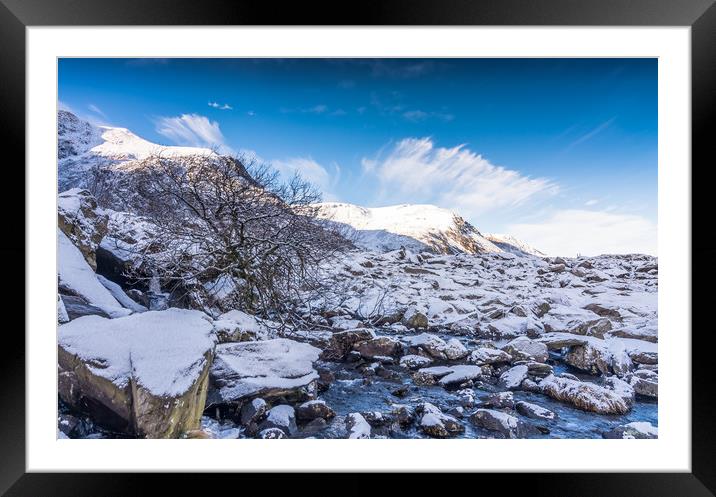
{"points": [[416, 227]]}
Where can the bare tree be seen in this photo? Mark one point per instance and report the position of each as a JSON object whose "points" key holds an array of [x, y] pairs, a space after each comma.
{"points": [[228, 233]]}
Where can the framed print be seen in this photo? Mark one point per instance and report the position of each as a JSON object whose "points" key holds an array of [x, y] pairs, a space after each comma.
{"points": [[455, 239]]}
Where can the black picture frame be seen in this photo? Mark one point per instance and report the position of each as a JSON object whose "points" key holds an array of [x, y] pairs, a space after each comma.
{"points": [[700, 15]]}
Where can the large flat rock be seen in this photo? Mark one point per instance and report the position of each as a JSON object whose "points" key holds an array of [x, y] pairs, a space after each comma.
{"points": [[269, 368], [146, 374]]}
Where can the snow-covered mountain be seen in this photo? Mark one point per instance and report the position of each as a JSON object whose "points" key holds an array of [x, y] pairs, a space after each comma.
{"points": [[416, 227], [82, 145], [509, 243]]}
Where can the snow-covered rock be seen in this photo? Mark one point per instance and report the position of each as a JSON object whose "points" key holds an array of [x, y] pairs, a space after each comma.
{"points": [[145, 374], [448, 376], [584, 395], [513, 377], [414, 318], [531, 410], [342, 342], [119, 294], [412, 361], [522, 348], [314, 409], [268, 369], [430, 344], [485, 355], [378, 347], [77, 278], [357, 426], [636, 429], [79, 219], [282, 417], [436, 423], [237, 326], [507, 425]]}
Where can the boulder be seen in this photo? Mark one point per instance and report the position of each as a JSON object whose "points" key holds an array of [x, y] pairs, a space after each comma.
{"points": [[636, 429], [436, 424], [145, 374], [80, 221], [430, 344], [557, 341], [644, 357], [590, 358], [530, 410], [513, 377], [450, 376], [237, 326], [645, 382], [378, 347], [597, 328], [253, 412], [76, 278], [404, 415], [412, 361], [377, 419], [414, 318], [507, 425], [539, 369], [603, 311], [357, 426], [343, 342], [485, 355], [454, 349], [271, 369], [282, 417], [272, 433], [76, 307], [584, 395], [525, 349], [314, 409]]}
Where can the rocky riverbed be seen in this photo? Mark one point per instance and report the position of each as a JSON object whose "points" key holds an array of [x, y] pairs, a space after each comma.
{"points": [[405, 345]]}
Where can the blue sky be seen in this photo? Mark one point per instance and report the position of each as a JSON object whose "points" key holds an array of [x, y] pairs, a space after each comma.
{"points": [[560, 152]]}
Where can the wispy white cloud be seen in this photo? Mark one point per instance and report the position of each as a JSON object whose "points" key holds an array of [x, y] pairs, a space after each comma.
{"points": [[64, 106], [590, 134], [217, 105], [317, 109], [193, 130], [591, 202], [415, 115], [419, 115], [96, 110], [589, 232], [311, 171], [415, 171]]}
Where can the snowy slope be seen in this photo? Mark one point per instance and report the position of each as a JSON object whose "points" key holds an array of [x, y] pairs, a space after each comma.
{"points": [[509, 243], [417, 227], [81, 146]]}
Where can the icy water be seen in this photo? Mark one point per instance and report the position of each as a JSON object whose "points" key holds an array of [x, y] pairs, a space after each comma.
{"points": [[355, 395], [353, 391]]}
